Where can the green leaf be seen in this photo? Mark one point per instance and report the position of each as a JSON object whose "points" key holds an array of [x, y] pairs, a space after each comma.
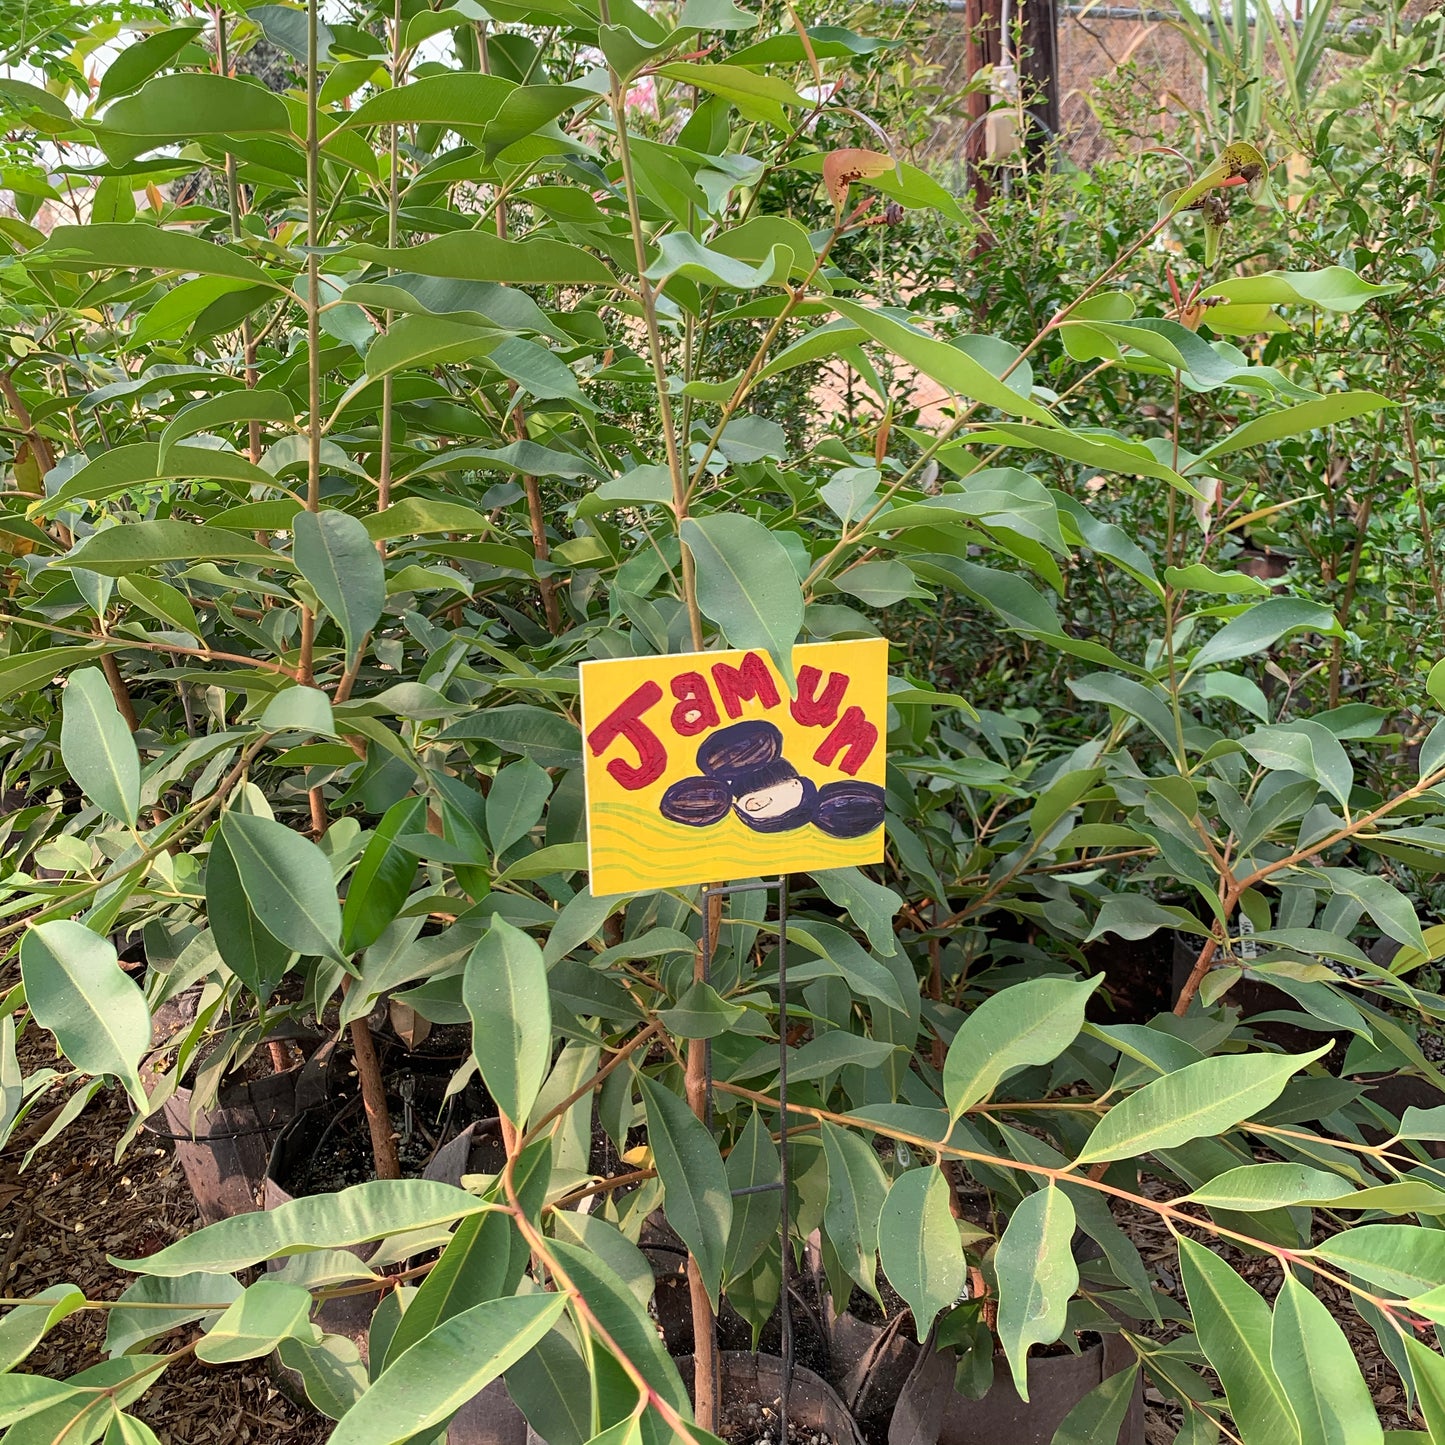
{"points": [[753, 1161], [1200, 1099], [268, 1312], [1401, 1258], [330, 1369], [181, 107], [504, 988], [1099, 1416], [134, 245], [947, 365], [127, 1430], [228, 408], [76, 988], [136, 1321], [1292, 421], [1037, 1277], [1029, 1023], [428, 1383], [93, 1397], [857, 1189], [623, 1318], [319, 1221], [118, 550], [870, 905], [1199, 578], [299, 709], [1254, 1187], [864, 974], [518, 794], [24, 1395], [1428, 1371], [533, 732], [1317, 1369], [162, 601], [747, 585], [1307, 748], [473, 1268], [1332, 288], [382, 877], [479, 256], [1233, 1327], [135, 64], [340, 561], [1391, 910], [26, 1325], [919, 1245], [1262, 626], [695, 1187], [456, 99], [97, 747], [246, 947], [287, 880]]}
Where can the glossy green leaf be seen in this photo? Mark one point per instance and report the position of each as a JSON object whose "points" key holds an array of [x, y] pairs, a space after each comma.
{"points": [[1198, 1100], [383, 876], [315, 1222], [135, 244], [695, 1185], [76, 988], [857, 1189], [267, 1312], [288, 882], [947, 365], [1037, 1277], [1307, 748], [746, 584], [753, 1162], [24, 1326], [136, 1322], [97, 747], [1316, 1366], [1029, 1023], [118, 550], [340, 561], [426, 1384], [1233, 1326], [919, 1244], [1098, 1417], [504, 989], [1262, 626], [127, 1430], [479, 256], [1400, 1258], [1291, 421], [84, 1413], [1331, 288], [518, 794], [180, 107], [246, 947], [1270, 1186]]}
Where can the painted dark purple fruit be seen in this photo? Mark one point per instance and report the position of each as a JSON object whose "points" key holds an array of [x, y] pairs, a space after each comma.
{"points": [[849, 809], [739, 749], [696, 802]]}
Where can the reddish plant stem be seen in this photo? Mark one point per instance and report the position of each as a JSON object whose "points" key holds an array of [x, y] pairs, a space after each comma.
{"points": [[373, 1097]]}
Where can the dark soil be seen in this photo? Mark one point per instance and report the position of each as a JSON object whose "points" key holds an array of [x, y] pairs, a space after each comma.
{"points": [[749, 1423]]}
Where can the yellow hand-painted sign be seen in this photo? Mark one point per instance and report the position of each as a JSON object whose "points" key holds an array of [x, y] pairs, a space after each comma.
{"points": [[700, 767]]}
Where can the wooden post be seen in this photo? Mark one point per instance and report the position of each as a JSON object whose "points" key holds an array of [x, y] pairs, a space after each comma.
{"points": [[1038, 24], [981, 49]]}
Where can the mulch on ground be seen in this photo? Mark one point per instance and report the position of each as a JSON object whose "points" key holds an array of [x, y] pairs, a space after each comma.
{"points": [[74, 1205]]}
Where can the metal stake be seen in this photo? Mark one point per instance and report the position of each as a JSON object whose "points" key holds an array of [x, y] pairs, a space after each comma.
{"points": [[785, 1312]]}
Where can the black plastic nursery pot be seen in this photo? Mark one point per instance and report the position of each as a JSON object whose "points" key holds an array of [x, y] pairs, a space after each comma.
{"points": [[224, 1150], [751, 1388], [931, 1412]]}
